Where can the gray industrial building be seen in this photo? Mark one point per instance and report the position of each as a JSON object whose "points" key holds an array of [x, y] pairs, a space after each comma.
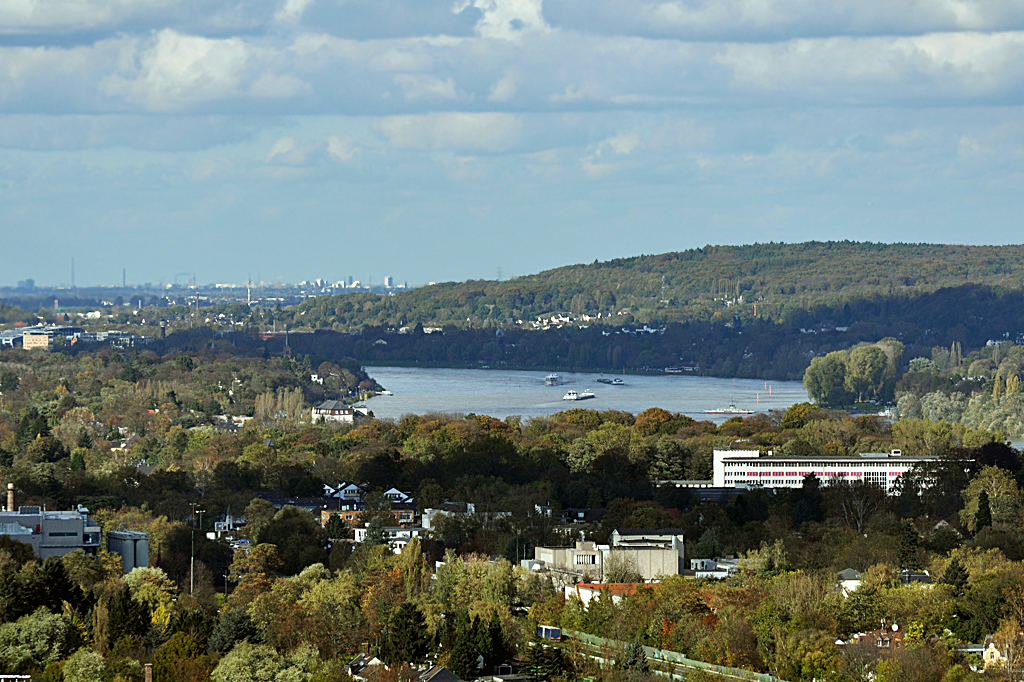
{"points": [[56, 533], [50, 533]]}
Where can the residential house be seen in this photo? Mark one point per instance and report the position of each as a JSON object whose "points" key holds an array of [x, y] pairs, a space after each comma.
{"points": [[712, 568], [358, 666], [887, 640], [333, 411], [398, 536], [849, 580], [908, 577], [430, 516]]}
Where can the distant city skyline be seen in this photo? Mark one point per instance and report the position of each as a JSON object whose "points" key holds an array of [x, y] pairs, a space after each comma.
{"points": [[444, 140]]}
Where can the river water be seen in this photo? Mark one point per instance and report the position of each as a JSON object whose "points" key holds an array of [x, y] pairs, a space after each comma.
{"points": [[500, 393]]}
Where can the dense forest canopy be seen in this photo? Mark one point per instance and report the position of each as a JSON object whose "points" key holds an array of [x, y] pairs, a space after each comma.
{"points": [[136, 436], [688, 285]]}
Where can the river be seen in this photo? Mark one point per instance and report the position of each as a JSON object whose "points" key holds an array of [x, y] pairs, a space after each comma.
{"points": [[500, 393]]}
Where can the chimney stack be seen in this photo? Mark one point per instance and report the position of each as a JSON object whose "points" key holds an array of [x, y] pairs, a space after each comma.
{"points": [[10, 497]]}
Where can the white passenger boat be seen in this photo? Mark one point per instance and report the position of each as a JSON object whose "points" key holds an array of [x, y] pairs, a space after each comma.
{"points": [[573, 395], [552, 380]]}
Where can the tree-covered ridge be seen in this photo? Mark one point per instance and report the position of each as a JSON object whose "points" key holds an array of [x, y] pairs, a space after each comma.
{"points": [[698, 283]]}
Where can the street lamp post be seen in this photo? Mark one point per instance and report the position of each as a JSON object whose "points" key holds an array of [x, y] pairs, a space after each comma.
{"points": [[192, 558]]}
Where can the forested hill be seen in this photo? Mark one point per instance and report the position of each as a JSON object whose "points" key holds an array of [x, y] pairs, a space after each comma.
{"points": [[687, 286]]}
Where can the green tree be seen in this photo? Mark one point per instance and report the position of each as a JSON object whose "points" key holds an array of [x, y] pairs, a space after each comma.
{"points": [[634, 659], [174, 658], [299, 538], [337, 529], [407, 635], [909, 551], [1002, 494], [865, 371], [825, 378], [233, 626], [983, 517], [84, 666], [35, 640], [127, 617], [464, 655], [258, 514], [955, 576]]}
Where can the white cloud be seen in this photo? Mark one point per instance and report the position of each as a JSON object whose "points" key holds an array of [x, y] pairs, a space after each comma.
{"points": [[291, 11], [342, 148], [764, 20], [271, 85], [419, 86], [506, 19], [505, 88], [624, 144], [940, 65], [454, 131], [177, 70]]}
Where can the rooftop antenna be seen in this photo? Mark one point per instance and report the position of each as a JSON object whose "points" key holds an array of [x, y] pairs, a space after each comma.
{"points": [[499, 273], [72, 272], [124, 277]]}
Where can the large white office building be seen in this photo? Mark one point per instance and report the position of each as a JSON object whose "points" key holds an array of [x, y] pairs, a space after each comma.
{"points": [[753, 469]]}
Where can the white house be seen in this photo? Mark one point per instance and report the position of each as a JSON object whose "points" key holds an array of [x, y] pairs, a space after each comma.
{"points": [[334, 411], [397, 536]]}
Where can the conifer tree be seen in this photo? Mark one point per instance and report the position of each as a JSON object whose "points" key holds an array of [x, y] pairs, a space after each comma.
{"points": [[463, 658], [983, 517], [909, 552], [955, 576], [635, 659], [407, 635], [126, 617]]}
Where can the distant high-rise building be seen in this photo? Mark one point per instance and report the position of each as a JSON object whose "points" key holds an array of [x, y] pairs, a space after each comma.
{"points": [[389, 282], [349, 281]]}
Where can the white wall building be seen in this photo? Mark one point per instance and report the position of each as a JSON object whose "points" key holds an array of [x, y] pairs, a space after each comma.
{"points": [[751, 468], [333, 411]]}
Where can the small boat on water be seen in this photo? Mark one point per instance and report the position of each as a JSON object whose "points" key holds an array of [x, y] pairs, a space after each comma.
{"points": [[602, 380], [552, 380], [617, 382], [732, 409], [386, 392], [573, 395]]}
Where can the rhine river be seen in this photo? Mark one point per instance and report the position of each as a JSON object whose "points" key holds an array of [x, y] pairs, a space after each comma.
{"points": [[500, 393]]}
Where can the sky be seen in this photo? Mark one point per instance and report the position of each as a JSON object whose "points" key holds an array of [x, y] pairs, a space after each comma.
{"points": [[445, 140]]}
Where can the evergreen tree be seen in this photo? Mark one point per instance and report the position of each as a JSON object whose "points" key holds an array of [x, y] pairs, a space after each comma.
{"points": [[635, 659], [955, 576], [463, 659], [499, 648], [407, 636], [172, 658], [126, 617], [983, 517], [544, 663], [59, 588], [234, 625], [336, 528], [482, 639], [909, 552], [375, 533]]}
